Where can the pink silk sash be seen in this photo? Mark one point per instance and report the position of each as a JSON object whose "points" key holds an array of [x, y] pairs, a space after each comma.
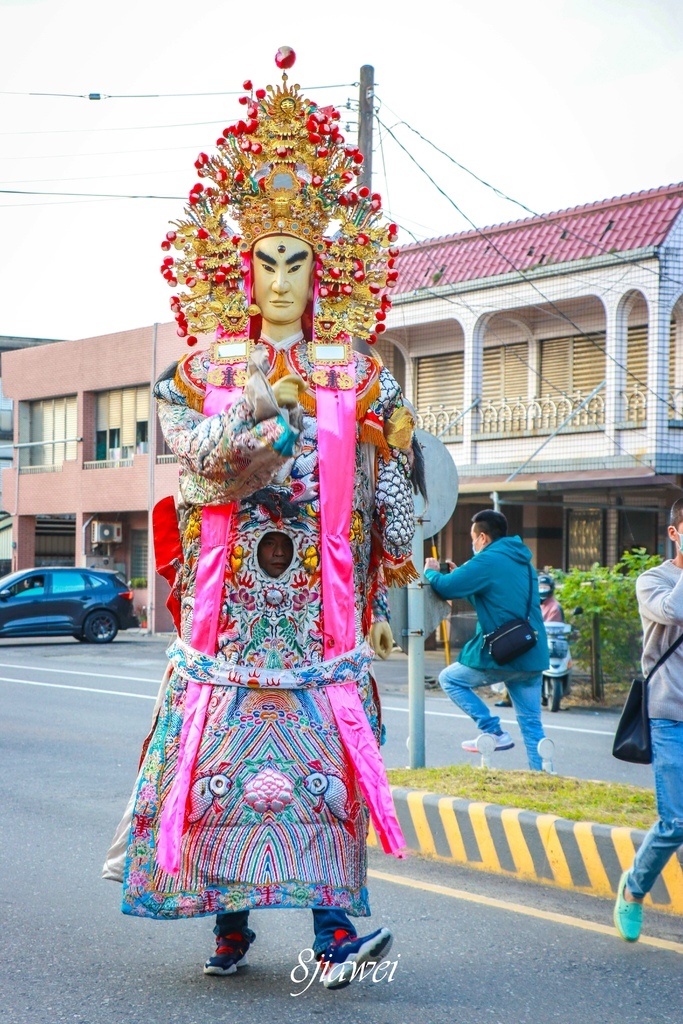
{"points": [[336, 414], [215, 534]]}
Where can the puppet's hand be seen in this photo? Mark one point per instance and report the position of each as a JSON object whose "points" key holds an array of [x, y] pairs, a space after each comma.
{"points": [[287, 390], [381, 639]]}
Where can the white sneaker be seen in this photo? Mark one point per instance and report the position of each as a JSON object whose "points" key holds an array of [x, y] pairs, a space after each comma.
{"points": [[503, 742]]}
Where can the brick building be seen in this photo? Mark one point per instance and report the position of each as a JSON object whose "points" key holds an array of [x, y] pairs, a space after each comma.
{"points": [[82, 409]]}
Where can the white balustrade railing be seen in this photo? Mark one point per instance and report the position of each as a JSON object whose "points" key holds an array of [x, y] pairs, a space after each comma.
{"points": [[440, 420], [518, 416], [108, 464]]}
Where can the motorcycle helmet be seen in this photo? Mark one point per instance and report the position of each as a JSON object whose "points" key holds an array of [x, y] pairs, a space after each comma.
{"points": [[546, 586]]}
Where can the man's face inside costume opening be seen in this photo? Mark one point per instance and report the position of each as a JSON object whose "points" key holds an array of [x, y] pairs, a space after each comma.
{"points": [[274, 553], [283, 283]]}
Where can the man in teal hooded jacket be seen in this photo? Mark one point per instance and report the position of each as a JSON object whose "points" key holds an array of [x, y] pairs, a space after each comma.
{"points": [[501, 583]]}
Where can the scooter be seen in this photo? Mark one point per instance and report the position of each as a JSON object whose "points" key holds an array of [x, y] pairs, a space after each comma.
{"points": [[556, 678]]}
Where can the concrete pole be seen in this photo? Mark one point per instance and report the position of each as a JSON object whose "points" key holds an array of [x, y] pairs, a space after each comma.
{"points": [[366, 115], [152, 456]]}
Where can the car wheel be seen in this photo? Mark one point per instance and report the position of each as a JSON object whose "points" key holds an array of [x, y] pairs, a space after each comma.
{"points": [[100, 627]]}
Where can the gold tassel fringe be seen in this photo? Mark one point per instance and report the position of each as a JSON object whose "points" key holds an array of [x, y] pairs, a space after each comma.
{"points": [[400, 577], [371, 434], [194, 399]]}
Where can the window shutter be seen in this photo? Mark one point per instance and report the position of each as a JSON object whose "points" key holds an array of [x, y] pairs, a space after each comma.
{"points": [[128, 396], [440, 381], [555, 367], [115, 410], [492, 374], [516, 382], [636, 358], [588, 363]]}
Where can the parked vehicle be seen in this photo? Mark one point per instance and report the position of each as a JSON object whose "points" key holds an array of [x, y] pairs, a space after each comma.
{"points": [[556, 678], [91, 605]]}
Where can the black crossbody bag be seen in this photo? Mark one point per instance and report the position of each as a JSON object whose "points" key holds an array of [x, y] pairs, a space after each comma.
{"points": [[515, 637], [632, 741]]}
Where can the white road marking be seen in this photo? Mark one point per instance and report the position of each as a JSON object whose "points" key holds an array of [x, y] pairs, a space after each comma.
{"points": [[73, 672], [505, 721], [86, 689], [141, 679]]}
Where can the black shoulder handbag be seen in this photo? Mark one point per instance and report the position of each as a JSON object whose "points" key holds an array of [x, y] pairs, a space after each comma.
{"points": [[632, 740], [515, 637]]}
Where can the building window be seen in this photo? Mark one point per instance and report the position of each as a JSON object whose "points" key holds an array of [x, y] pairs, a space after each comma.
{"points": [[121, 426], [49, 420], [138, 554], [637, 529], [585, 537]]}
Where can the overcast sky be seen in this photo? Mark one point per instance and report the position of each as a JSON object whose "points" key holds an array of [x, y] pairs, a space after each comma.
{"points": [[555, 102]]}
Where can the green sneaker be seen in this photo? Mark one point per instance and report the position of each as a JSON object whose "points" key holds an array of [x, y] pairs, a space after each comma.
{"points": [[628, 917]]}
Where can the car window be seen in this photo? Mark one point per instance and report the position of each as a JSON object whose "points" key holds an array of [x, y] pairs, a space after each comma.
{"points": [[29, 586], [66, 582], [94, 581]]}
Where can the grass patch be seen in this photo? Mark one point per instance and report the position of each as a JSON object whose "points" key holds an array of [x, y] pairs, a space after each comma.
{"points": [[608, 803]]}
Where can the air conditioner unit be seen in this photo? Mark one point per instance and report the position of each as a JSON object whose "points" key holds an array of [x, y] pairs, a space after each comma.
{"points": [[105, 533]]}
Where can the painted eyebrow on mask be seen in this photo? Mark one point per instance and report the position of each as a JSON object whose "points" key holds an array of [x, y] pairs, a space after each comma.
{"points": [[266, 258], [298, 257]]}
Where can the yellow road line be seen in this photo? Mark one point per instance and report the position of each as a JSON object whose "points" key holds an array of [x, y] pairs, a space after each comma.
{"points": [[518, 908]]}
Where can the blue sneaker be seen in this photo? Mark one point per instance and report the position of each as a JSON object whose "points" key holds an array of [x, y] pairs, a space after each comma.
{"points": [[231, 953], [343, 959]]}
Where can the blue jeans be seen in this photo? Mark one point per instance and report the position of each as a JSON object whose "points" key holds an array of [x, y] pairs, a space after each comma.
{"points": [[666, 835], [459, 682], [326, 921]]}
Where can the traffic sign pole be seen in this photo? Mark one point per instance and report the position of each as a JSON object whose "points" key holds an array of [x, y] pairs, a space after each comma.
{"points": [[416, 655]]}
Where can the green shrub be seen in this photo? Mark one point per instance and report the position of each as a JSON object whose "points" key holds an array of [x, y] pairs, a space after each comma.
{"points": [[138, 582], [611, 594]]}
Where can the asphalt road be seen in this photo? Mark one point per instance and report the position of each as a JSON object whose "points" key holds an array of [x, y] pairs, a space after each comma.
{"points": [[466, 949]]}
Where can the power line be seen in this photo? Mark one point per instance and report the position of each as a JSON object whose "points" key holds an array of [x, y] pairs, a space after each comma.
{"points": [[516, 202], [89, 195], [489, 239], [161, 95]]}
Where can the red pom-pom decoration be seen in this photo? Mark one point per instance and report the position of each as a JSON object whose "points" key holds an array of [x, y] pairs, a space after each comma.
{"points": [[165, 245], [285, 57], [171, 235], [202, 233], [260, 94], [379, 328], [248, 85], [191, 341]]}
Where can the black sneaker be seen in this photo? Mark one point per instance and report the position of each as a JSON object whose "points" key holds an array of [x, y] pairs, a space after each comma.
{"points": [[347, 953], [231, 953]]}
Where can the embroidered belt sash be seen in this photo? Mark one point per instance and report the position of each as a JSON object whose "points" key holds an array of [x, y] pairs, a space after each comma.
{"points": [[196, 667]]}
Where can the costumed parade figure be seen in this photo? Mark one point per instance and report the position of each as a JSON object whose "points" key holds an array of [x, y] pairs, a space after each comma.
{"points": [[262, 770]]}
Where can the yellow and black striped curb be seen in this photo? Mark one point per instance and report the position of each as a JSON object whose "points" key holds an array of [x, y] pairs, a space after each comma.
{"points": [[543, 848]]}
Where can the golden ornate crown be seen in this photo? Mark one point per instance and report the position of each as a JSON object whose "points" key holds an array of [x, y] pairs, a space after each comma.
{"points": [[283, 169]]}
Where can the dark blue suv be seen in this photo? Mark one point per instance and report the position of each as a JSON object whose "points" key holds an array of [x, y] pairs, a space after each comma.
{"points": [[90, 604]]}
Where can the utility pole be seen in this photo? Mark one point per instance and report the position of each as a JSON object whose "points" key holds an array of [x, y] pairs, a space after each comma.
{"points": [[366, 116]]}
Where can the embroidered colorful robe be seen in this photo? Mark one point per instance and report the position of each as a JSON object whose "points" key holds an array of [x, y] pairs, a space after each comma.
{"points": [[274, 814]]}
